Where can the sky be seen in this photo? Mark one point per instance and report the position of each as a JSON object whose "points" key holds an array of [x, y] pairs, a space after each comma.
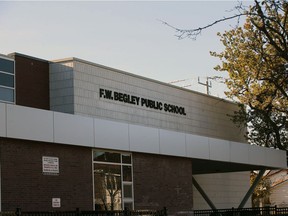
{"points": [[126, 35]]}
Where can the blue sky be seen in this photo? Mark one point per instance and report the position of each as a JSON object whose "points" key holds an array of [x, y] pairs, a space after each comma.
{"points": [[126, 35]]}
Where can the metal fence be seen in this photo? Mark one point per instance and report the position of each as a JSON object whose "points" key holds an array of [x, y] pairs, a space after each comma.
{"points": [[263, 211], [126, 212]]}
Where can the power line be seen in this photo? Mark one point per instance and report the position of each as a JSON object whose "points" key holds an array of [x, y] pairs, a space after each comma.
{"points": [[207, 84]]}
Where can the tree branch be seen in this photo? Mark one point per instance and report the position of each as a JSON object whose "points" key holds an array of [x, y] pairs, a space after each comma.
{"points": [[193, 33]]}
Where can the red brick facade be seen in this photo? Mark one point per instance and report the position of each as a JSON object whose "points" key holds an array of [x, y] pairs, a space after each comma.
{"points": [[23, 185], [158, 180], [32, 82], [162, 181]]}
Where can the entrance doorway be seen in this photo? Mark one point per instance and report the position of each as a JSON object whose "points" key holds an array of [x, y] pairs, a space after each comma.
{"points": [[113, 180]]}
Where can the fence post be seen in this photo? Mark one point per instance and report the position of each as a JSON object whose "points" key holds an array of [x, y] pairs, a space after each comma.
{"points": [[18, 211], [275, 209], [78, 213], [164, 211], [126, 211]]}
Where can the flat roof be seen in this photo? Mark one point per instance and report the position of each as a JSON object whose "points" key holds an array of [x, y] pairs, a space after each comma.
{"points": [[71, 59], [12, 55]]}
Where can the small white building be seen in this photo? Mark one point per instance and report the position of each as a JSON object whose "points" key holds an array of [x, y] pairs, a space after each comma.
{"points": [[279, 188]]}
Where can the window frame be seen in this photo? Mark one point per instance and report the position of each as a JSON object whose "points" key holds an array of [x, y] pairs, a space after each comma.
{"points": [[124, 200], [14, 80]]}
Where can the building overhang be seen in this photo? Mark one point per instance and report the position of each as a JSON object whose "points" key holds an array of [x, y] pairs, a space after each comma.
{"points": [[208, 166], [208, 155]]}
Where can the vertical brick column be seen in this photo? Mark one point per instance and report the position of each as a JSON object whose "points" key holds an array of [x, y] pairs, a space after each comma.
{"points": [[162, 181], [32, 82]]}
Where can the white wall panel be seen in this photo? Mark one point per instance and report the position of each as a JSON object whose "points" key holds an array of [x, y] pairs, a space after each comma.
{"points": [[239, 152], [197, 146], [111, 135], [29, 123], [225, 190], [144, 139], [275, 157], [72, 129], [219, 150], [172, 143], [41, 125], [3, 131], [257, 155]]}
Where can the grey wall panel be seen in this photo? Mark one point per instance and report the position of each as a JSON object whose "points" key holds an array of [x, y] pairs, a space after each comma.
{"points": [[205, 115], [219, 149], [62, 87], [144, 139], [111, 135], [3, 131], [172, 143], [197, 146], [239, 152], [29, 123], [71, 129], [257, 155], [275, 157]]}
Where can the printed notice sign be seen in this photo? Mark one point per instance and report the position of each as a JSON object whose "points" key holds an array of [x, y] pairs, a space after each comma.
{"points": [[50, 165], [56, 202]]}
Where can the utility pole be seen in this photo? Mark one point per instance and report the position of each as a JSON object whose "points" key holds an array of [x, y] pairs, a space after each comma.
{"points": [[207, 84]]}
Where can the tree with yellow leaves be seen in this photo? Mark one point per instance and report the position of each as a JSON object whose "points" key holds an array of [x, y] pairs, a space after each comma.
{"points": [[256, 57]]}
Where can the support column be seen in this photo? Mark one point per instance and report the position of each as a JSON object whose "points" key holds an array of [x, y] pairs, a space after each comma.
{"points": [[251, 189], [203, 194]]}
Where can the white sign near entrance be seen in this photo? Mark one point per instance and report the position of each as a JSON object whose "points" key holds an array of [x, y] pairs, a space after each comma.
{"points": [[50, 165], [56, 202]]}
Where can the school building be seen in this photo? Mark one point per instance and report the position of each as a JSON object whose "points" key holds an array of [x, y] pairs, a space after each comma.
{"points": [[76, 134]]}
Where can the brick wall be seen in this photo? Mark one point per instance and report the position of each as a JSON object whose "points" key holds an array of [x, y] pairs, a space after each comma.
{"points": [[23, 184], [32, 82], [162, 181]]}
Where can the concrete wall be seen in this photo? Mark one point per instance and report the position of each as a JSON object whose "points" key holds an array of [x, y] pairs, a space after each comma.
{"points": [[206, 115], [225, 190], [62, 87]]}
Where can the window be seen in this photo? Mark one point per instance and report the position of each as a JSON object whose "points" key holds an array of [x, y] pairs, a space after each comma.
{"points": [[6, 94], [6, 65], [113, 180], [7, 80]]}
